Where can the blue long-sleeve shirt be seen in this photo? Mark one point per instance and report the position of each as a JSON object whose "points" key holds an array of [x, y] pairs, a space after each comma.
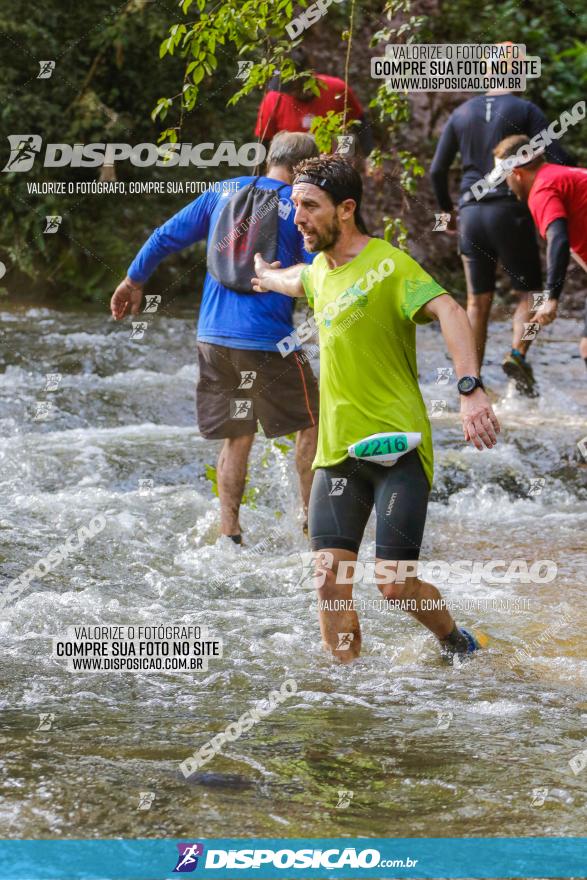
{"points": [[237, 320]]}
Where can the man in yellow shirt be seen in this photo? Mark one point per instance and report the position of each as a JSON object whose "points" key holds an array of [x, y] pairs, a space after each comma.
{"points": [[368, 297]]}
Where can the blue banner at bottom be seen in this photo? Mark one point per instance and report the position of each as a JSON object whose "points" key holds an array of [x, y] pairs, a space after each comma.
{"points": [[524, 857]]}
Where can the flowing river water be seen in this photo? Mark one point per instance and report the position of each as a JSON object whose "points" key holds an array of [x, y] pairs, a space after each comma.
{"points": [[416, 748]]}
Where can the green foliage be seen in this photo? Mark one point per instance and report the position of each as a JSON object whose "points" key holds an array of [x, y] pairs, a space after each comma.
{"points": [[390, 107], [410, 171], [212, 475], [403, 30], [256, 33], [393, 111], [284, 444], [254, 30], [98, 92], [327, 128], [250, 494], [578, 55], [105, 84], [395, 232]]}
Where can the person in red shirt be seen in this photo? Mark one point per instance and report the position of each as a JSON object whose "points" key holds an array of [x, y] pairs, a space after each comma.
{"points": [[557, 198], [287, 107]]}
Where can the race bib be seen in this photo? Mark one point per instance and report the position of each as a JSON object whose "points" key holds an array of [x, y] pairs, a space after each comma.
{"points": [[385, 448]]}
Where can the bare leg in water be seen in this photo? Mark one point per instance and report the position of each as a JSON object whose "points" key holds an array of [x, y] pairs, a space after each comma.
{"points": [[231, 473], [339, 622]]}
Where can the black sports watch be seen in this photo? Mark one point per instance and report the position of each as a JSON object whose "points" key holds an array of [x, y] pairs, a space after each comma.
{"points": [[467, 384]]}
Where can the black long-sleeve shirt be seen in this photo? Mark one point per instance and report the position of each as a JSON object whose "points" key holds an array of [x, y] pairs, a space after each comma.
{"points": [[473, 130], [558, 253]]}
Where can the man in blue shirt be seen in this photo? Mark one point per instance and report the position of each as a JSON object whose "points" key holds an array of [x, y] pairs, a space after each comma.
{"points": [[243, 377]]}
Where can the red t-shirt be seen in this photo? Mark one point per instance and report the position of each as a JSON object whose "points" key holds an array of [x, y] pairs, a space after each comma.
{"points": [[282, 112], [560, 191]]}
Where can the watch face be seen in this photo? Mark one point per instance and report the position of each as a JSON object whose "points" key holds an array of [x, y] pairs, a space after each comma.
{"points": [[466, 384]]}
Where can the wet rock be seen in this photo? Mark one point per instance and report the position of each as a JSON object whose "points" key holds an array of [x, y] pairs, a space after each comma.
{"points": [[221, 780]]}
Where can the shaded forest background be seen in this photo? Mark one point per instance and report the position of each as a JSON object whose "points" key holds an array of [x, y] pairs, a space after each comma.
{"points": [[109, 77]]}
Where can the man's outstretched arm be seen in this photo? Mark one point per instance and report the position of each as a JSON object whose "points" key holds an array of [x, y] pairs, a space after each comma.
{"points": [[269, 277], [480, 425], [183, 229], [126, 299]]}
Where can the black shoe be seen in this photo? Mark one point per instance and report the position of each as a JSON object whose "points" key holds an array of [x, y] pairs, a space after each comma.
{"points": [[462, 642], [516, 368]]}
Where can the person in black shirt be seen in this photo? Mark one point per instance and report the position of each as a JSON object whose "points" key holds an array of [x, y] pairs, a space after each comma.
{"points": [[496, 228]]}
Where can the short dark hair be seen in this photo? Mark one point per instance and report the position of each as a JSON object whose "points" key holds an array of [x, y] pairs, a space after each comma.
{"points": [[337, 177], [288, 148], [510, 146]]}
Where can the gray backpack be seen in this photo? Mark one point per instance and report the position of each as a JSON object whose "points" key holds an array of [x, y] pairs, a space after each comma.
{"points": [[247, 225]]}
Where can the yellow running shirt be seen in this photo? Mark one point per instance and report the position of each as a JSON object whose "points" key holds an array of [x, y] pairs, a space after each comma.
{"points": [[366, 312]]}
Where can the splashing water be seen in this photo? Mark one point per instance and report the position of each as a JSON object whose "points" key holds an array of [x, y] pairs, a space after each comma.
{"points": [[425, 749]]}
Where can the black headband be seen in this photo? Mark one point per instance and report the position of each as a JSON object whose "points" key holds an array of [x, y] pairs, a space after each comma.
{"points": [[337, 194], [328, 186]]}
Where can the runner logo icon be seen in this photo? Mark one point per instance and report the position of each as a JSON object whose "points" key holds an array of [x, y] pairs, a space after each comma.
{"points": [[247, 378], [52, 223], [284, 208], [441, 222], [345, 145], [46, 68], [531, 331], [153, 301], [138, 329], [241, 409], [23, 151], [188, 857], [244, 68]]}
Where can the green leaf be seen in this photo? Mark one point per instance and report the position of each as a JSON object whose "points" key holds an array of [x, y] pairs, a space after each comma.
{"points": [[213, 477], [161, 108]]}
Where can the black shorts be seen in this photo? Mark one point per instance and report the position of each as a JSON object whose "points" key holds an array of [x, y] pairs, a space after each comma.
{"points": [[343, 496], [237, 388], [499, 231]]}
